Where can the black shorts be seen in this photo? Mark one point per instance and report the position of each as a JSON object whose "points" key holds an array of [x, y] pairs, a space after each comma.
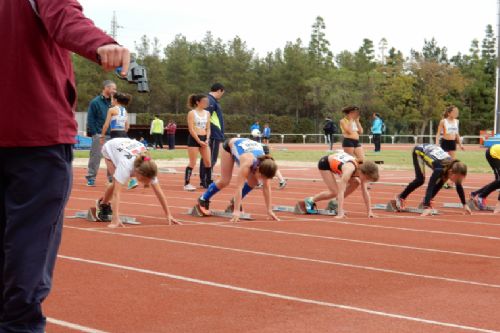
{"points": [[350, 143], [323, 164], [448, 145], [118, 134], [226, 147], [193, 143]]}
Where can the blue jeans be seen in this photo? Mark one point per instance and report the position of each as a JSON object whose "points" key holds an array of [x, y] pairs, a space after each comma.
{"points": [[35, 184]]}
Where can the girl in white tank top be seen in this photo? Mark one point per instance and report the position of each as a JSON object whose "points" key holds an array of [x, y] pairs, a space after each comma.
{"points": [[198, 120], [117, 118], [449, 129]]}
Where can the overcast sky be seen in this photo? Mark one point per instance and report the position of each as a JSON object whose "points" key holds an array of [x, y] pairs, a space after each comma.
{"points": [[268, 24]]}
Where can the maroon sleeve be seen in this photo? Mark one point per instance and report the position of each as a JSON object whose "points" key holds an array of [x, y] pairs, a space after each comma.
{"points": [[66, 24]]}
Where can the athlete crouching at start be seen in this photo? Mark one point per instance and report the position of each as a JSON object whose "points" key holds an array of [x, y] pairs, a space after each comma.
{"points": [[127, 158], [444, 168], [352, 174], [254, 165]]}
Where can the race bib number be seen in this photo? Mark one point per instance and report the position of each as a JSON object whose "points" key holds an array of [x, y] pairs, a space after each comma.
{"points": [[437, 153], [131, 148], [248, 146], [343, 157]]}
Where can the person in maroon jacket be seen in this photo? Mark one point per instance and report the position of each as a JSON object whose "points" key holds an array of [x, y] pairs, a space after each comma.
{"points": [[37, 131], [171, 128]]}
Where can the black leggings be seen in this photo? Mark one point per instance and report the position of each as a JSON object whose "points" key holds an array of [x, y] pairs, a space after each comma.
{"points": [[419, 177], [494, 185], [435, 182]]}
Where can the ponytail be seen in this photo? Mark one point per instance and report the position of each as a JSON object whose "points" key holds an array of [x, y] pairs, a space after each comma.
{"points": [[194, 99], [145, 166]]}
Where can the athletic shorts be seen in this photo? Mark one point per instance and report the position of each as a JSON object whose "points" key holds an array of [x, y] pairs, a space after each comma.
{"points": [[448, 145], [323, 164], [350, 143], [118, 134], [226, 146], [193, 143]]}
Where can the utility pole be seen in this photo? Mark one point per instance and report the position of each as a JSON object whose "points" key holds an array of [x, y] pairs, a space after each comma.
{"points": [[115, 26], [497, 101]]}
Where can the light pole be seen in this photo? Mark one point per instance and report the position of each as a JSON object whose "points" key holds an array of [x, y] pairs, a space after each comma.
{"points": [[497, 98]]}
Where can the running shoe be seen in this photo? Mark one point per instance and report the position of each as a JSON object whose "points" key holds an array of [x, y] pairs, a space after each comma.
{"points": [[132, 183], [189, 188], [479, 202], [204, 206], [259, 185], [103, 212], [310, 206], [91, 182], [282, 185], [447, 186], [400, 203]]}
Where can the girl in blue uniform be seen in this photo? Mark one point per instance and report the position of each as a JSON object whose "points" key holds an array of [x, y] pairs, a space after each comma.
{"points": [[444, 168], [117, 121], [254, 165]]}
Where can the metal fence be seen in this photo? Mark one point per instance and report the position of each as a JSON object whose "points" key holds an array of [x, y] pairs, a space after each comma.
{"points": [[387, 139]]}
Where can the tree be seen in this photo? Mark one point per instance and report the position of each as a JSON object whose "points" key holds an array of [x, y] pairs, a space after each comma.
{"points": [[319, 46]]}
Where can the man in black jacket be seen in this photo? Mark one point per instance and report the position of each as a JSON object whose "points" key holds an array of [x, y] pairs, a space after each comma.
{"points": [[330, 129]]}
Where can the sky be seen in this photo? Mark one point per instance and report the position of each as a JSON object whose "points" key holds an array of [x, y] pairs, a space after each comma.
{"points": [[266, 25]]}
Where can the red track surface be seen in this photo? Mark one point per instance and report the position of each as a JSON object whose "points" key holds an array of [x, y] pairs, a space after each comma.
{"points": [[396, 273]]}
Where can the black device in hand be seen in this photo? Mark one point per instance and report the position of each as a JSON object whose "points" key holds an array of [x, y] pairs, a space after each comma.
{"points": [[137, 74]]}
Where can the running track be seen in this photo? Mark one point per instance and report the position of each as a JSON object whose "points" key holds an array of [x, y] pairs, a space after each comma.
{"points": [[396, 273]]}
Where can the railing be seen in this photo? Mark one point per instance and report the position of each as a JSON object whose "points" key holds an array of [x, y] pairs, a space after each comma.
{"points": [[387, 139]]}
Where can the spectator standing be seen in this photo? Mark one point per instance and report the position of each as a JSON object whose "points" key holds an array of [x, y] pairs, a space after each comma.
{"points": [[266, 135], [216, 129], [377, 129], [96, 117], [329, 129], [157, 130], [171, 128], [255, 131], [36, 144]]}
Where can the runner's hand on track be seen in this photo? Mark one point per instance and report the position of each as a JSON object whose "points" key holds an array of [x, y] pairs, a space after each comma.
{"points": [[371, 215], [236, 216], [172, 221], [272, 216], [340, 215], [467, 210], [427, 212]]}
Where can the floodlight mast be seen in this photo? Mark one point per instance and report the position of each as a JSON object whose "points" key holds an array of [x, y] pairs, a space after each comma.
{"points": [[497, 97]]}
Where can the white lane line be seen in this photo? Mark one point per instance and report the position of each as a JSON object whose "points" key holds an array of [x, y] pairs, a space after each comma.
{"points": [[72, 326], [280, 296], [295, 258], [331, 221], [357, 241], [350, 240]]}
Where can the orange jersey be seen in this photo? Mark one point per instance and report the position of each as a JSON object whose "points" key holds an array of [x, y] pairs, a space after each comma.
{"points": [[337, 160]]}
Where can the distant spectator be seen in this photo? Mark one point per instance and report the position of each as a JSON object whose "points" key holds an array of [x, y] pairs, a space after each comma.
{"points": [[216, 128], [255, 131], [171, 128], [144, 141], [157, 130], [255, 126], [96, 117], [266, 134], [329, 129], [377, 129]]}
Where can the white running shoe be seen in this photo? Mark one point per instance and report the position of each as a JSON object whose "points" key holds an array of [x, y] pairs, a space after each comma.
{"points": [[189, 188]]}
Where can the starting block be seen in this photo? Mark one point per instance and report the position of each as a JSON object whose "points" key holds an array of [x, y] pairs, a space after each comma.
{"points": [[195, 211], [472, 206], [452, 205], [300, 209], [391, 207], [91, 216]]}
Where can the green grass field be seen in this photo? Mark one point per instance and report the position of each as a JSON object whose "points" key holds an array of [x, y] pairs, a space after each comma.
{"points": [[393, 159]]}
